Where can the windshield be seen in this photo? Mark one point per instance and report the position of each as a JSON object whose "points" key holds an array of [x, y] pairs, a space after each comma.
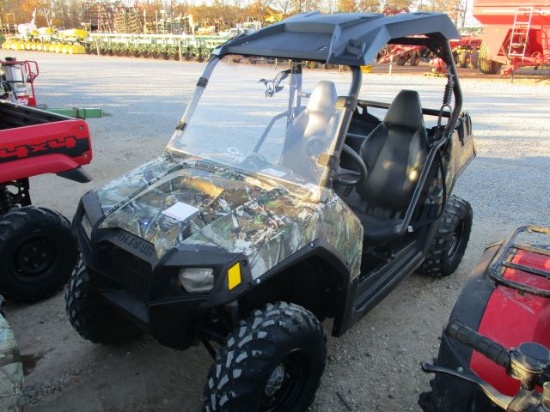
{"points": [[278, 119]]}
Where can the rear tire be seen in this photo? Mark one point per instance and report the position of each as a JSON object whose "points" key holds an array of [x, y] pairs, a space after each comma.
{"points": [[451, 240], [38, 252], [271, 362], [463, 59], [415, 59], [486, 65], [401, 60], [91, 316]]}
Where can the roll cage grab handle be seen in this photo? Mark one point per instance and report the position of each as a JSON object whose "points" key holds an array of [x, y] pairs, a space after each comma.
{"points": [[442, 135], [452, 88]]}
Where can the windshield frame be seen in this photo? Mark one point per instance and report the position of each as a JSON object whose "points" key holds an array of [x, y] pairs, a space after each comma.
{"points": [[327, 161]]}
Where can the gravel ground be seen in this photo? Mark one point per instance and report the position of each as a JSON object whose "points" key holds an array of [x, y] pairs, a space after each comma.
{"points": [[373, 367]]}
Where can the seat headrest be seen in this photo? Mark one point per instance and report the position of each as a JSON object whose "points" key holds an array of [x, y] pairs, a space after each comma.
{"points": [[405, 110], [323, 97]]}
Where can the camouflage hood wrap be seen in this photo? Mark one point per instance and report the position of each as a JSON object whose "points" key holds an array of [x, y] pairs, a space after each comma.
{"points": [[170, 202]]}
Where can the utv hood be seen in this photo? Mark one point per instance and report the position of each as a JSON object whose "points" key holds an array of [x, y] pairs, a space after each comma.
{"points": [[170, 203], [165, 202]]}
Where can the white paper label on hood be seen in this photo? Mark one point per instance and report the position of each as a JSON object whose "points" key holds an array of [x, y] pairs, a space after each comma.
{"points": [[180, 211]]}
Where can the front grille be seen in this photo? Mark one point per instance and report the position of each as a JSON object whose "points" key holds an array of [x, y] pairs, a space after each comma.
{"points": [[129, 271]]}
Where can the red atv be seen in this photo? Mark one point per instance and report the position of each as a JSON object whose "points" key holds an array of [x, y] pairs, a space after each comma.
{"points": [[506, 301], [37, 248]]}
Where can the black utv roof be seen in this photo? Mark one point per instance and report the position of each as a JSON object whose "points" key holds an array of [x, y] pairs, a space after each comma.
{"points": [[346, 38]]}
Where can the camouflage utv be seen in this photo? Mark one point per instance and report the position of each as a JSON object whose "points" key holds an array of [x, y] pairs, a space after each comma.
{"points": [[282, 199]]}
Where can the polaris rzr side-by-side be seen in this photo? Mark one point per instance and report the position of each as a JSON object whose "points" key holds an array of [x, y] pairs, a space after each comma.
{"points": [[283, 198]]}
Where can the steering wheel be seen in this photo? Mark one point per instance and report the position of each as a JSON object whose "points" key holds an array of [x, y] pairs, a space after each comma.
{"points": [[315, 145], [354, 173], [255, 162]]}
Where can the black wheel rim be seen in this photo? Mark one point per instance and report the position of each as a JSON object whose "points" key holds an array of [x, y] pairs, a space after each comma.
{"points": [[34, 257], [286, 382], [456, 241]]}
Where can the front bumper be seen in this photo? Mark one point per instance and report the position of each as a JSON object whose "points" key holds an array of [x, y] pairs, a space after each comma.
{"points": [[127, 271]]}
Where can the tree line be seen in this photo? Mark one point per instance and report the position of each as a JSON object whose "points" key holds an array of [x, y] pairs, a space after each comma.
{"points": [[218, 14]]}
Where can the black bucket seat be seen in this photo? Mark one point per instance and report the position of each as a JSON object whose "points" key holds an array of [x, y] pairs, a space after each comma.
{"points": [[394, 154]]}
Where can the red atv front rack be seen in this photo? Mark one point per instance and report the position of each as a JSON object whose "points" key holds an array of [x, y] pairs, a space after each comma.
{"points": [[516, 264]]}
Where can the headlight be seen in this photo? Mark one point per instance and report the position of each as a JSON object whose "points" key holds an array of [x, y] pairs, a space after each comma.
{"points": [[86, 225], [195, 280]]}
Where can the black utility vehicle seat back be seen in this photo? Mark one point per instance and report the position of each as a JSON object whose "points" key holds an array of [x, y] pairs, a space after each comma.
{"points": [[394, 153], [316, 120]]}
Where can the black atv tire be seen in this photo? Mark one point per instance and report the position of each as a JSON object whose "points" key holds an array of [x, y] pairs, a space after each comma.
{"points": [[38, 252], [486, 65], [451, 240], [415, 59], [271, 362], [463, 59], [401, 60], [91, 316]]}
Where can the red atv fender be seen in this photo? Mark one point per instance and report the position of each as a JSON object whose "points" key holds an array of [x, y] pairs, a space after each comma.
{"points": [[33, 142], [519, 308]]}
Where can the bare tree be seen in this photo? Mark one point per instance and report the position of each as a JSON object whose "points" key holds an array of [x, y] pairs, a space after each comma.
{"points": [[370, 6], [454, 8], [283, 5], [396, 6]]}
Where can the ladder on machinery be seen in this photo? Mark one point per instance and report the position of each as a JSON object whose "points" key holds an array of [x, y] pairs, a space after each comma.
{"points": [[520, 32]]}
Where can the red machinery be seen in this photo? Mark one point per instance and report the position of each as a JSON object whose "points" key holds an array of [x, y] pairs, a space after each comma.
{"points": [[38, 250], [17, 81], [27, 134], [402, 54], [17, 86], [516, 33], [462, 50]]}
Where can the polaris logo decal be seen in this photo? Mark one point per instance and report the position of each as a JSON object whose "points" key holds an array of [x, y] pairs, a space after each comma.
{"points": [[135, 243]]}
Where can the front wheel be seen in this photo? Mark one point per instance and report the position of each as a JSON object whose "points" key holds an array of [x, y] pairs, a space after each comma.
{"points": [[91, 316], [272, 362], [37, 253], [450, 242]]}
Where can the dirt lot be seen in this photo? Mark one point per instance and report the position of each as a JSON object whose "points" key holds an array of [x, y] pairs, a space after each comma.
{"points": [[376, 365]]}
